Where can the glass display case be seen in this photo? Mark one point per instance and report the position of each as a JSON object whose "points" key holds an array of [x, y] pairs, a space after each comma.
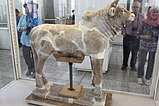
{"points": [[7, 74], [114, 79]]}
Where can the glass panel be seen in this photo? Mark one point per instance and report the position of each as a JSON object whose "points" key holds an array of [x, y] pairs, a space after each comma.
{"points": [[6, 66], [113, 77], [3, 14]]}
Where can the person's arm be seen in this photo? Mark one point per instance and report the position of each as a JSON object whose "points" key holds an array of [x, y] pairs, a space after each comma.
{"points": [[123, 30], [140, 32], [146, 37], [20, 27], [39, 21]]}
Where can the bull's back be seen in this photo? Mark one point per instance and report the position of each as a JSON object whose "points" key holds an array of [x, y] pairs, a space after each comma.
{"points": [[39, 31], [52, 29]]}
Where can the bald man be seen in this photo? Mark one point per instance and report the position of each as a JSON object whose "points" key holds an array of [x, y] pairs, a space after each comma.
{"points": [[130, 38]]}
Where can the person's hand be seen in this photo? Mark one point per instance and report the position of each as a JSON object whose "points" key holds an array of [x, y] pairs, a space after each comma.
{"points": [[146, 37], [155, 34], [23, 28]]}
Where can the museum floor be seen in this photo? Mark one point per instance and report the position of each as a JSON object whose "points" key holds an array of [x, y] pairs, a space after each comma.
{"points": [[16, 93], [114, 79]]}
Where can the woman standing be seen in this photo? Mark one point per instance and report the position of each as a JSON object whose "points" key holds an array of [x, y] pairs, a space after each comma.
{"points": [[148, 44]]}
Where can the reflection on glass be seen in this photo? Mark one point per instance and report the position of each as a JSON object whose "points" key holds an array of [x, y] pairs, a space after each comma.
{"points": [[114, 78], [6, 67], [3, 14]]}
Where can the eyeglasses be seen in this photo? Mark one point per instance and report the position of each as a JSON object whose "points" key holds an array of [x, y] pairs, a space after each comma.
{"points": [[135, 7]]}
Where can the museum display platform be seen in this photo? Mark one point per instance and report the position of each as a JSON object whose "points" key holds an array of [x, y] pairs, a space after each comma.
{"points": [[15, 94], [53, 96]]}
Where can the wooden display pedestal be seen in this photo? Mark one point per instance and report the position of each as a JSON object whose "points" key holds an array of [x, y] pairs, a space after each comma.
{"points": [[74, 93], [53, 97], [68, 95]]}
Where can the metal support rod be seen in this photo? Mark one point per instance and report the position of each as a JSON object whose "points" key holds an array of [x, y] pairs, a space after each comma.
{"points": [[71, 79]]}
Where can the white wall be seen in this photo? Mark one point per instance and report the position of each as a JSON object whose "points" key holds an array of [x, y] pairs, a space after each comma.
{"points": [[92, 5], [157, 2], [3, 11], [4, 38]]}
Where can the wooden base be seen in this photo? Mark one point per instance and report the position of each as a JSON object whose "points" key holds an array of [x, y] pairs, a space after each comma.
{"points": [[51, 97], [32, 99], [65, 92], [77, 57]]}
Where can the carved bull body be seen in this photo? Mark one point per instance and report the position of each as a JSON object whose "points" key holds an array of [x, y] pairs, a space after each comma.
{"points": [[91, 36]]}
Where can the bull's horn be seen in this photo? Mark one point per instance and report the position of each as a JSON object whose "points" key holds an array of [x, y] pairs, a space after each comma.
{"points": [[114, 3]]}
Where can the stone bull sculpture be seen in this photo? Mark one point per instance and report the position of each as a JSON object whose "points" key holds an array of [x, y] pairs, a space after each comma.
{"points": [[92, 36]]}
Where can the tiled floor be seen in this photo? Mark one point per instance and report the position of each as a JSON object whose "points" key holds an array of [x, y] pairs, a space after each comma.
{"points": [[25, 87], [113, 79], [6, 68]]}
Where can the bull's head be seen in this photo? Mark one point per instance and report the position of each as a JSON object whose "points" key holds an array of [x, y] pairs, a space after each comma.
{"points": [[119, 14]]}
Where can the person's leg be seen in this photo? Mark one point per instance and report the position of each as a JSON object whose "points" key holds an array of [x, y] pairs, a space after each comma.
{"points": [[32, 62], [126, 52], [134, 51], [28, 59], [150, 66], [142, 60], [19, 36]]}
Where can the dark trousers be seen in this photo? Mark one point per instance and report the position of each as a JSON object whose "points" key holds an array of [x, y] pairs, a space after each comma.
{"points": [[150, 65], [130, 45], [19, 36], [28, 57]]}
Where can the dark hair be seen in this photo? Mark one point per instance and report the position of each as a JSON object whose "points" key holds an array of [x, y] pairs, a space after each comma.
{"points": [[25, 5], [73, 10], [16, 11]]}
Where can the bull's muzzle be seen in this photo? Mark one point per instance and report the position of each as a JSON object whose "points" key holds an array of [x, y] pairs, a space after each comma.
{"points": [[132, 17]]}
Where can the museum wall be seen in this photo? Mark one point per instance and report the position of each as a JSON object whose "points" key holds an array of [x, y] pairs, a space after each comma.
{"points": [[4, 31]]}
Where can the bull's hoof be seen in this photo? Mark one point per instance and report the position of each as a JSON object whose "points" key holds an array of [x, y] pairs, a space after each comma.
{"points": [[97, 93], [97, 99]]}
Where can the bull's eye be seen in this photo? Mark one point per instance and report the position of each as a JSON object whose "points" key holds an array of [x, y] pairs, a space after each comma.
{"points": [[112, 11]]}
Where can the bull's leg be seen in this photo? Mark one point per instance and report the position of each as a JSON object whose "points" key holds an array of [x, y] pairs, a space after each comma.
{"points": [[97, 75], [41, 80], [92, 79], [39, 61], [41, 53]]}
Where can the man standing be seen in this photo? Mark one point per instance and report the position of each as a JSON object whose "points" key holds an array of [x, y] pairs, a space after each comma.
{"points": [[26, 23], [130, 40]]}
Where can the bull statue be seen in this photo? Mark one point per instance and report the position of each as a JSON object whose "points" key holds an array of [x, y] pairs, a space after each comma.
{"points": [[92, 36]]}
